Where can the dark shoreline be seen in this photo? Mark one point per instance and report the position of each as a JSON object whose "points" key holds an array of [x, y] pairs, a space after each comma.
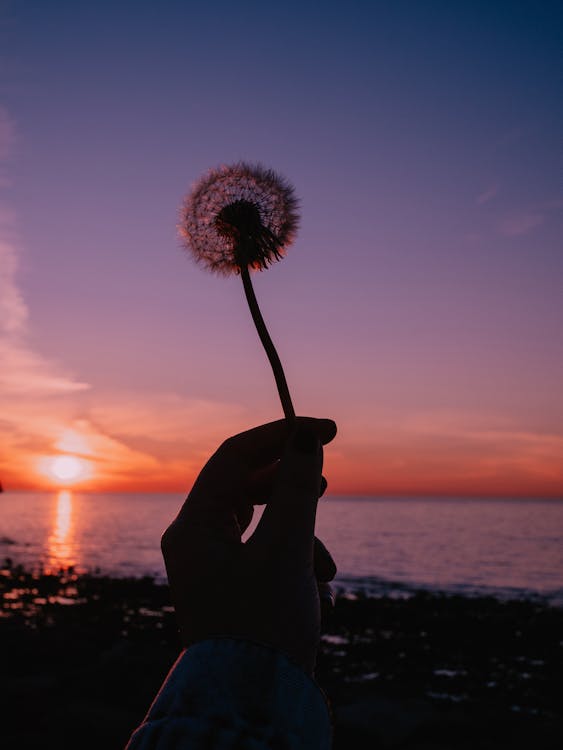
{"points": [[82, 656]]}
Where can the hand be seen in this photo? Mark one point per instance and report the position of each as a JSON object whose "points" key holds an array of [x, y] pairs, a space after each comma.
{"points": [[264, 590]]}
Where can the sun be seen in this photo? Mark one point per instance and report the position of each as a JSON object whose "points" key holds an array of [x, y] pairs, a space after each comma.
{"points": [[67, 468], [64, 469]]}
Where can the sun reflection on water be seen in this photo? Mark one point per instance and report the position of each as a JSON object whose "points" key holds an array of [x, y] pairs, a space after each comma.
{"points": [[61, 547]]}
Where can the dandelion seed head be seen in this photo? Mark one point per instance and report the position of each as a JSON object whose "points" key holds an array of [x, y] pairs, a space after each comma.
{"points": [[239, 215]]}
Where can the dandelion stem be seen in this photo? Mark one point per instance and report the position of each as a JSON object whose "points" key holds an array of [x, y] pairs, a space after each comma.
{"points": [[268, 344]]}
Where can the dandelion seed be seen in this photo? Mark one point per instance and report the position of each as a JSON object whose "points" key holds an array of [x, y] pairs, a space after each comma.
{"points": [[240, 217]]}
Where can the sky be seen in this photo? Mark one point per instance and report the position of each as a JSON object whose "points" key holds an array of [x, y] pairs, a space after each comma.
{"points": [[420, 305]]}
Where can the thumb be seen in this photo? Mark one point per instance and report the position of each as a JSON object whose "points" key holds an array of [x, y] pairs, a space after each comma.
{"points": [[288, 521]]}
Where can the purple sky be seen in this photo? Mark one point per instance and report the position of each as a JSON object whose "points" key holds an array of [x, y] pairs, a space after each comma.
{"points": [[421, 305]]}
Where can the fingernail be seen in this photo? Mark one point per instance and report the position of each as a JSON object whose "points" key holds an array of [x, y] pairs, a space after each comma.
{"points": [[305, 441]]}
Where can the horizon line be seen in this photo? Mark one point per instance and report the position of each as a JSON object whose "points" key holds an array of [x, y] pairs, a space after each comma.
{"points": [[326, 496]]}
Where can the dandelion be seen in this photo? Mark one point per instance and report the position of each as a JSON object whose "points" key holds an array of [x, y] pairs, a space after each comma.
{"points": [[237, 218]]}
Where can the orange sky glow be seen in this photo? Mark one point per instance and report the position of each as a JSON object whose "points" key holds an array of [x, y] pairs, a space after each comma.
{"points": [[439, 457]]}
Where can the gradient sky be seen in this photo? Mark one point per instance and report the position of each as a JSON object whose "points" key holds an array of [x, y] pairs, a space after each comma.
{"points": [[421, 306]]}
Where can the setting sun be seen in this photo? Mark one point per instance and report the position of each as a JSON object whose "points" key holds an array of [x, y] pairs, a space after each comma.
{"points": [[67, 468], [64, 469]]}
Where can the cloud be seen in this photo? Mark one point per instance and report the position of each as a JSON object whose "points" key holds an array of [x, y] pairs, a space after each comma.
{"points": [[26, 373], [517, 225], [152, 440], [180, 432], [33, 388], [43, 412], [488, 194], [13, 312], [532, 453], [520, 223], [448, 452], [496, 436], [23, 371], [166, 417]]}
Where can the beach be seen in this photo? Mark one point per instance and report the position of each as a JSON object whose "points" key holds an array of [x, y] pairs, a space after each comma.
{"points": [[83, 655]]}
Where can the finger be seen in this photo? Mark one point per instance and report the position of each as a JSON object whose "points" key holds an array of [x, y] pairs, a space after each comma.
{"points": [[254, 449], [262, 482], [327, 598], [288, 520], [244, 514], [324, 565], [221, 485]]}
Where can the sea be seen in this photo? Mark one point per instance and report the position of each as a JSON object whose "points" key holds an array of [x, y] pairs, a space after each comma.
{"points": [[506, 548]]}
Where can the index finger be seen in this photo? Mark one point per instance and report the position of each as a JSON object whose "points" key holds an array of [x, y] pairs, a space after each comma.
{"points": [[224, 477]]}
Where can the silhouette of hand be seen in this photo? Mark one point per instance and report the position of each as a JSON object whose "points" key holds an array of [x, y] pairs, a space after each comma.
{"points": [[264, 590]]}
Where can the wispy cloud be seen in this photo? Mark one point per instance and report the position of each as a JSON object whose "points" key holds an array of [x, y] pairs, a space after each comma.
{"points": [[179, 432], [166, 417], [130, 440], [153, 440], [487, 194], [512, 442], [452, 452], [34, 391], [13, 312], [31, 384], [23, 371], [519, 224]]}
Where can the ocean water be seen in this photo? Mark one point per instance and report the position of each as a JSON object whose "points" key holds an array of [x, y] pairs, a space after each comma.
{"points": [[501, 547]]}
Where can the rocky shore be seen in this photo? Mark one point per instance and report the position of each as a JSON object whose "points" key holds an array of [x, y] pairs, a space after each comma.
{"points": [[82, 656]]}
